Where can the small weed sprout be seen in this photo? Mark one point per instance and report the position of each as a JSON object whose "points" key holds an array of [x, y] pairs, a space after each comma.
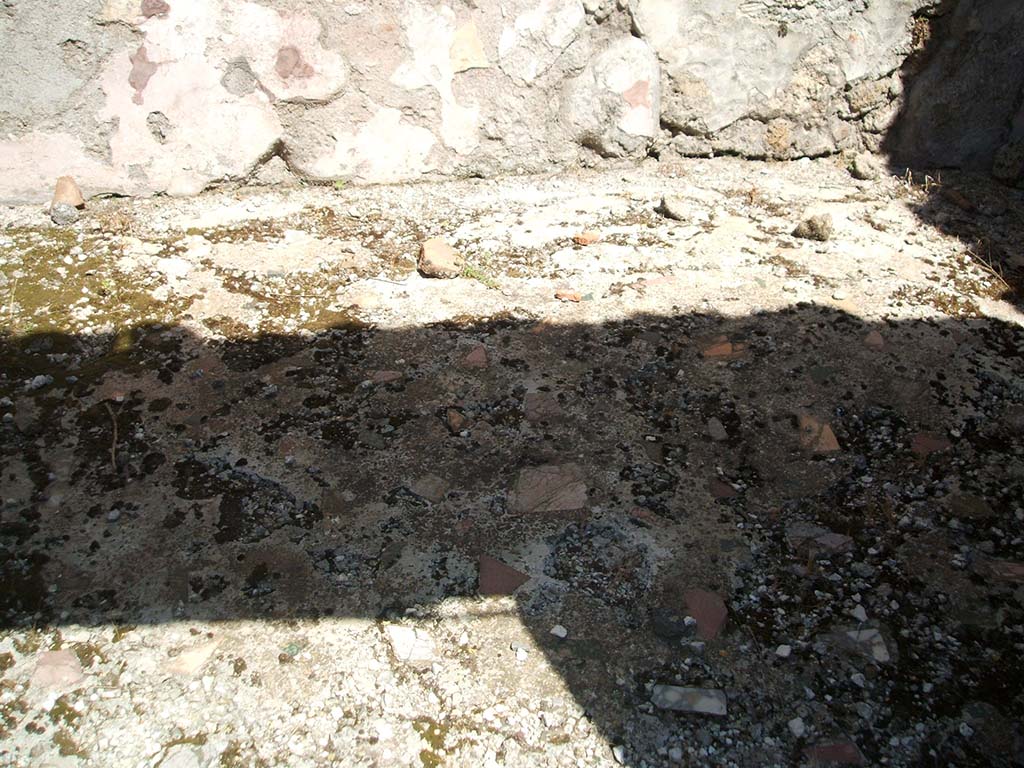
{"points": [[480, 275]]}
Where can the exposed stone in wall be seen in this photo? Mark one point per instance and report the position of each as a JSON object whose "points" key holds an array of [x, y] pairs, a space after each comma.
{"points": [[172, 96], [771, 79], [613, 107], [385, 146]]}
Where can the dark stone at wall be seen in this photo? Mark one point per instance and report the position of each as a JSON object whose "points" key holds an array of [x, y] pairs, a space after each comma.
{"points": [[965, 89]]}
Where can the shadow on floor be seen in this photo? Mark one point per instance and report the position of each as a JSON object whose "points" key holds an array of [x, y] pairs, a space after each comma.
{"points": [[987, 219], [963, 100], [154, 476]]}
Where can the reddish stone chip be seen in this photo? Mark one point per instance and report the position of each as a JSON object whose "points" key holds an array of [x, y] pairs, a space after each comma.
{"points": [[816, 436], [643, 284], [721, 348], [874, 340], [927, 443], [1006, 570], [141, 72], [708, 609], [68, 193], [477, 358], [496, 578], [721, 489], [644, 515], [718, 349], [835, 753], [587, 237], [550, 488], [455, 420], [638, 94], [565, 294], [438, 259], [385, 377], [290, 63]]}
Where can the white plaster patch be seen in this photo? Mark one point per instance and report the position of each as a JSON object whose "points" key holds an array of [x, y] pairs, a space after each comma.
{"points": [[467, 51], [29, 165], [297, 251], [739, 59], [125, 11], [431, 34], [384, 149], [211, 135], [538, 36]]}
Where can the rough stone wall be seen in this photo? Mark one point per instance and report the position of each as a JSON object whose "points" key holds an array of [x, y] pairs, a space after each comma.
{"points": [[965, 94], [172, 96]]}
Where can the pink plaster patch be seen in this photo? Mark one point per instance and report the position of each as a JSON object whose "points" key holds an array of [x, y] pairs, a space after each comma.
{"points": [[58, 669], [142, 70], [638, 94], [291, 64], [152, 8], [654, 282]]}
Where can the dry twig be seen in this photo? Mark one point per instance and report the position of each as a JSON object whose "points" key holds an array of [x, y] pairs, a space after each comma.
{"points": [[995, 270]]}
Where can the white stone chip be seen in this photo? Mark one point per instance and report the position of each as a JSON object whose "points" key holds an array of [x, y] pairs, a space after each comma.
{"points": [[705, 701]]}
